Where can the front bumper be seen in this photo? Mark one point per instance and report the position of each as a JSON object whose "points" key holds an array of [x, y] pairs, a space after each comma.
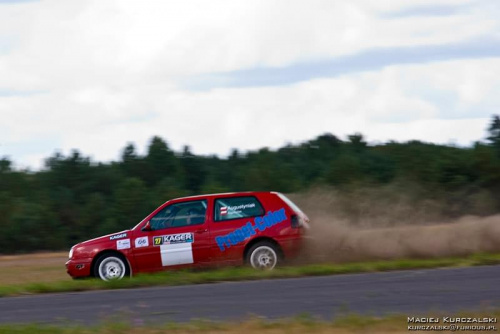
{"points": [[78, 267]]}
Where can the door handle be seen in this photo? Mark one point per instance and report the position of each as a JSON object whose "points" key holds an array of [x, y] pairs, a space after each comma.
{"points": [[201, 230]]}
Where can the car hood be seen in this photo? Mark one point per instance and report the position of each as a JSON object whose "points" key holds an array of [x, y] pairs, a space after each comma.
{"points": [[117, 235]]}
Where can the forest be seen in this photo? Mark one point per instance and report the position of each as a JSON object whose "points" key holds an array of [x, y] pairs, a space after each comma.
{"points": [[73, 198]]}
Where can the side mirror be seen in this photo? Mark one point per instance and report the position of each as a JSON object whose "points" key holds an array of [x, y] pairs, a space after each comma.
{"points": [[146, 227]]}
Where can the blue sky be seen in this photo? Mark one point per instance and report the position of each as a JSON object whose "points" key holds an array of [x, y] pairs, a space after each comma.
{"points": [[368, 60], [218, 75]]}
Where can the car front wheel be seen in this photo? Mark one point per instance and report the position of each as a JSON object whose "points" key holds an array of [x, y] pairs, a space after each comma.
{"points": [[263, 256], [110, 267]]}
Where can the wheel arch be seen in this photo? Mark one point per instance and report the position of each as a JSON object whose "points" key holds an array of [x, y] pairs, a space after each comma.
{"points": [[109, 252], [263, 239]]}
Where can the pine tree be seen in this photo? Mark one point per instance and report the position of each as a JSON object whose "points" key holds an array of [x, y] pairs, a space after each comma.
{"points": [[494, 131]]}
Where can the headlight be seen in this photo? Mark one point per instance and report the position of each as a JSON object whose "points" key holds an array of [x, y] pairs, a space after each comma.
{"points": [[71, 252]]}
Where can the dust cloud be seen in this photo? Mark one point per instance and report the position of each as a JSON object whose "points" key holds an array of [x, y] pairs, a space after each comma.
{"points": [[359, 227]]}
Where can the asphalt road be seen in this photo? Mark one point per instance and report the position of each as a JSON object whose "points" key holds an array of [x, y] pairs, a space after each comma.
{"points": [[415, 292]]}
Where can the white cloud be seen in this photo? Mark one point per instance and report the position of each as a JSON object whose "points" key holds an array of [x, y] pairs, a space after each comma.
{"points": [[103, 73], [123, 42], [444, 131], [218, 120]]}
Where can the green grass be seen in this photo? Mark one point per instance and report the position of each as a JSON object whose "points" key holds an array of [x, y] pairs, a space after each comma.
{"points": [[244, 273], [346, 324]]}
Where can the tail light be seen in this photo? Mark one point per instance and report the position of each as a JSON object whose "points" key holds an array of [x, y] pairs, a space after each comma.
{"points": [[299, 222]]}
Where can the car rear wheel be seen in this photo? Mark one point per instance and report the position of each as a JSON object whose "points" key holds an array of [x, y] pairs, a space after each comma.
{"points": [[110, 267], [263, 256]]}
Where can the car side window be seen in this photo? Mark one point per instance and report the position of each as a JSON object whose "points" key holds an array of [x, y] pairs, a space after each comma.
{"points": [[237, 207], [180, 214]]}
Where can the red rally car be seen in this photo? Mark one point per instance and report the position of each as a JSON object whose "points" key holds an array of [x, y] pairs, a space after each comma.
{"points": [[258, 228]]}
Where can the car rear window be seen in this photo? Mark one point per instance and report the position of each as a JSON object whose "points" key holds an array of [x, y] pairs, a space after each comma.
{"points": [[290, 203], [237, 207]]}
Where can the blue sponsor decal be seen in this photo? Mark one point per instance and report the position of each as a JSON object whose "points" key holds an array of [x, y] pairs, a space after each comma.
{"points": [[249, 229]]}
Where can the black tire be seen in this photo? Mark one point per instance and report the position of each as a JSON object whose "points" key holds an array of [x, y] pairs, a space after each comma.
{"points": [[263, 255], [110, 267]]}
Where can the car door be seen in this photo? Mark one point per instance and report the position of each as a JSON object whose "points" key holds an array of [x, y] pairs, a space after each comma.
{"points": [[178, 237], [232, 225]]}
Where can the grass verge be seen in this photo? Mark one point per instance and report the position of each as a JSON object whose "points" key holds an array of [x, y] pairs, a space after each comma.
{"points": [[346, 324], [184, 277]]}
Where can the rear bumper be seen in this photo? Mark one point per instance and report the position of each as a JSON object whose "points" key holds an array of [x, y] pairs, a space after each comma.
{"points": [[78, 267]]}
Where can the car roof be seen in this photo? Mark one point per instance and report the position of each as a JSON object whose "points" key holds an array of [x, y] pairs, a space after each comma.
{"points": [[248, 193]]}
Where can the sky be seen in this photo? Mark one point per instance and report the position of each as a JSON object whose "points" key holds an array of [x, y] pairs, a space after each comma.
{"points": [[95, 75]]}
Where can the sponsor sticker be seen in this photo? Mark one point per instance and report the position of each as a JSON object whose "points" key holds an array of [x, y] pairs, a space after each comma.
{"points": [[260, 224], [241, 207], [223, 210], [175, 249], [123, 244], [175, 254], [118, 236], [141, 242], [173, 239]]}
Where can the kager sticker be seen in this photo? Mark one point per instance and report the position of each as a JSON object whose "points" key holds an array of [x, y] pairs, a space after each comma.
{"points": [[173, 239], [249, 229], [118, 236], [175, 249]]}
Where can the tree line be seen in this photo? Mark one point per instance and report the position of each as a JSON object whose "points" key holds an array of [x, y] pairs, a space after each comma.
{"points": [[74, 198]]}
